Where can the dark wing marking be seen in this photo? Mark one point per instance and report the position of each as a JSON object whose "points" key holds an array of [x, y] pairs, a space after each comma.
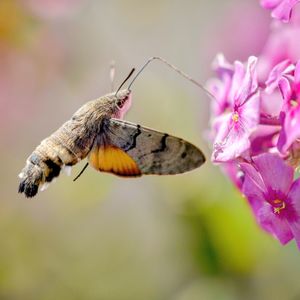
{"points": [[154, 152]]}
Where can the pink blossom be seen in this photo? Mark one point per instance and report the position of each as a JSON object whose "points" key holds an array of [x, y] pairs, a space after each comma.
{"points": [[264, 139], [290, 88], [271, 98], [281, 9], [255, 125], [283, 68], [273, 196], [282, 44], [221, 85], [233, 128]]}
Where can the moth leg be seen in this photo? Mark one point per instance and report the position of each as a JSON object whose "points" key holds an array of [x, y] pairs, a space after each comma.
{"points": [[81, 172]]}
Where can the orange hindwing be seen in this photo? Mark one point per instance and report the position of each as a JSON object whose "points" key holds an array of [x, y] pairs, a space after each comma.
{"points": [[113, 160]]}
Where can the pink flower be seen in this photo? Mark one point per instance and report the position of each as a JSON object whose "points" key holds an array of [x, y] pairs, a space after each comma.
{"points": [[284, 68], [255, 125], [273, 196], [234, 127], [264, 139], [271, 98], [282, 44], [290, 89], [220, 86], [281, 9]]}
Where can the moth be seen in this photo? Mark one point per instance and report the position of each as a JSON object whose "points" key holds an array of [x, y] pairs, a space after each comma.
{"points": [[97, 132]]}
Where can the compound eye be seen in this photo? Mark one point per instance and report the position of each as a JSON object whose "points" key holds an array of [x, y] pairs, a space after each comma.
{"points": [[121, 102]]}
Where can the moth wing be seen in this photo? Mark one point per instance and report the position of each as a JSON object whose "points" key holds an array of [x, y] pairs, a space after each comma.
{"points": [[109, 158], [128, 149]]}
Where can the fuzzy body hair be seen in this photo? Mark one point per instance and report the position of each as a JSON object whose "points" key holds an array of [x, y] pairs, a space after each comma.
{"points": [[68, 145]]}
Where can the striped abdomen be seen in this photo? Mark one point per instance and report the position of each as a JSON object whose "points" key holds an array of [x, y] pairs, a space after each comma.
{"points": [[64, 148]]}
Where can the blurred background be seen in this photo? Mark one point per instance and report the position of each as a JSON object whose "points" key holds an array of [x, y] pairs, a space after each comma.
{"points": [[184, 237]]}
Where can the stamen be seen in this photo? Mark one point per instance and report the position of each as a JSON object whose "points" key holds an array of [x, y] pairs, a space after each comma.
{"points": [[294, 103], [278, 209], [235, 117]]}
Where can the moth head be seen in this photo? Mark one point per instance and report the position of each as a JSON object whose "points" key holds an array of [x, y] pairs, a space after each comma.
{"points": [[122, 102]]}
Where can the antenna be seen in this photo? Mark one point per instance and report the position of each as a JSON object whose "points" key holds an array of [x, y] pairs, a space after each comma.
{"points": [[176, 70], [129, 75]]}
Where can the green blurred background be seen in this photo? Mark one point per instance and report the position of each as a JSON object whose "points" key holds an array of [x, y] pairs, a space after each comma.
{"points": [[185, 237]]}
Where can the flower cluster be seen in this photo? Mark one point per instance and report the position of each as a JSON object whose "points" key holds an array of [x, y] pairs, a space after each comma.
{"points": [[255, 128]]}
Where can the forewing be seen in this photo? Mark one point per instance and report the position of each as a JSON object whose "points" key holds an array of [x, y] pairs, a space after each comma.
{"points": [[144, 151]]}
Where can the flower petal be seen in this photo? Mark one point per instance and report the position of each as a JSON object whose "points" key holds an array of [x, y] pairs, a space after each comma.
{"points": [[263, 139], [294, 201], [285, 89], [277, 176], [253, 188], [232, 138], [274, 224], [297, 73], [231, 141], [249, 83], [249, 113], [269, 4], [221, 66], [283, 68], [283, 11], [290, 129], [294, 196], [237, 81]]}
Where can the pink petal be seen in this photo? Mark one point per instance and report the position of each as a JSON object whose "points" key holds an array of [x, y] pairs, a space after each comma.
{"points": [[263, 139], [269, 4], [285, 89], [249, 113], [231, 142], [283, 68], [218, 127], [294, 195], [276, 175], [249, 83], [290, 129], [253, 188], [297, 73], [284, 10], [272, 223], [220, 90], [237, 81], [221, 66], [232, 139], [271, 105], [294, 198]]}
